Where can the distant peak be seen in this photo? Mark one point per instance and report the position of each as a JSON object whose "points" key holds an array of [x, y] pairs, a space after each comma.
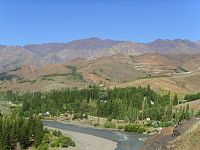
{"points": [[170, 40], [94, 38]]}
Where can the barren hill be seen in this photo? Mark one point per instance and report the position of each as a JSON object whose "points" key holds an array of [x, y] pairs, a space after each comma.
{"points": [[163, 64], [176, 46], [41, 54], [12, 57], [161, 71]]}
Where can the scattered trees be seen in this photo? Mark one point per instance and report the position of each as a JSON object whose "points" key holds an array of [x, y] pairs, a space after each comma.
{"points": [[130, 104], [192, 97]]}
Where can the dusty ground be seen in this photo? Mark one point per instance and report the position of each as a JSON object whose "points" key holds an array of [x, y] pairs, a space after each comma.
{"points": [[194, 105]]}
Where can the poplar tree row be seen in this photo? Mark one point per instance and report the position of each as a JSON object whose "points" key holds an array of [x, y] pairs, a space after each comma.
{"points": [[128, 103]]}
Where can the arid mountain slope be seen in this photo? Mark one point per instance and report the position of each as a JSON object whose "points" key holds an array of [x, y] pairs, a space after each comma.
{"points": [[180, 84], [176, 46], [12, 57], [162, 72], [95, 47], [45, 49], [89, 48]]}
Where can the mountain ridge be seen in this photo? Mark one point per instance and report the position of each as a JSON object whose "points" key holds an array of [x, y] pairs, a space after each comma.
{"points": [[42, 54]]}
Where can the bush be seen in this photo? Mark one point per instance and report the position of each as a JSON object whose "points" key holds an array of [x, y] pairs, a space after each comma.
{"points": [[46, 131], [166, 123], [120, 127], [141, 129], [46, 138], [131, 128], [109, 124], [42, 147], [57, 133], [134, 128], [77, 116], [55, 143], [67, 141]]}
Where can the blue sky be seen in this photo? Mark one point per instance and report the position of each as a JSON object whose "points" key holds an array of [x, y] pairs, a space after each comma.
{"points": [[42, 21]]}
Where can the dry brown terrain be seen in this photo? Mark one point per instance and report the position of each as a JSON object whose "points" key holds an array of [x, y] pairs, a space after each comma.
{"points": [[194, 105], [180, 84], [188, 141], [161, 72]]}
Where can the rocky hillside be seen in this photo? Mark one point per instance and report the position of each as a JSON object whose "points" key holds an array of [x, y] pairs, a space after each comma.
{"points": [[41, 54], [12, 57], [162, 71]]}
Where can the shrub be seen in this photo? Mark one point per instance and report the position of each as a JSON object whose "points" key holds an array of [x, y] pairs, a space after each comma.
{"points": [[77, 116], [57, 133], [135, 128], [120, 127], [109, 124], [141, 129], [131, 128], [46, 131], [46, 138], [55, 143], [166, 123], [67, 141], [42, 147]]}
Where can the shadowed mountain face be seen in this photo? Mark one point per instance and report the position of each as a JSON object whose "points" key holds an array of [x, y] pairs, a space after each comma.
{"points": [[45, 49], [41, 54], [14, 56]]}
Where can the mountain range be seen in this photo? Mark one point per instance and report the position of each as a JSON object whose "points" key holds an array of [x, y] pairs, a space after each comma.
{"points": [[42, 54]]}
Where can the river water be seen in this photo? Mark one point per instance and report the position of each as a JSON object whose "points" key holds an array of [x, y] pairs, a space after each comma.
{"points": [[125, 140]]}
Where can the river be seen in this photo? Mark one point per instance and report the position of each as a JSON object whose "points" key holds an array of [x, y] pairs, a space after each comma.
{"points": [[125, 140]]}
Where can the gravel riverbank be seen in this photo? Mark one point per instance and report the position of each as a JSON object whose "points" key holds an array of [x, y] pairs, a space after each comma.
{"points": [[89, 142]]}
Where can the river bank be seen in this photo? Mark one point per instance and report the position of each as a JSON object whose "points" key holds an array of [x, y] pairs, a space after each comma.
{"points": [[166, 140], [122, 140], [188, 141], [116, 124], [88, 142]]}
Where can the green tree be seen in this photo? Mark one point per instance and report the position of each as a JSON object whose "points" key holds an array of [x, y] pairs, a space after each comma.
{"points": [[175, 101], [38, 133]]}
